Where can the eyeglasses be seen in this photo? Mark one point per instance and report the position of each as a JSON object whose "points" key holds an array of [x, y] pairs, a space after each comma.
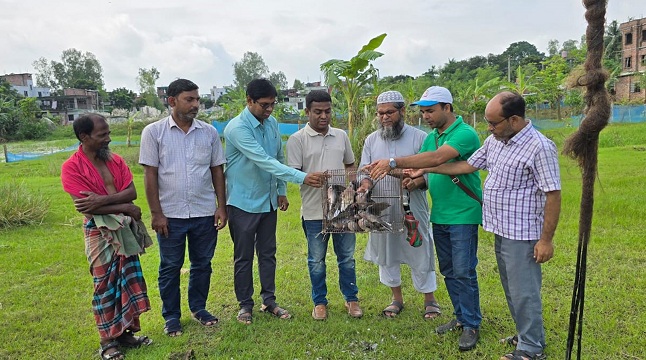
{"points": [[266, 106], [388, 113], [494, 124]]}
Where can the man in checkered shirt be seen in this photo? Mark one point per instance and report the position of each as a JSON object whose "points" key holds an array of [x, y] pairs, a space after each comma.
{"points": [[522, 202]]}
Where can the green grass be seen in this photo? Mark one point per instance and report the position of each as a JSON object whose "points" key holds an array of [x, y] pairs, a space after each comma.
{"points": [[45, 285]]}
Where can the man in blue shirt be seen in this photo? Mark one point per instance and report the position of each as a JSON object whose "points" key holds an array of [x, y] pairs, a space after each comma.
{"points": [[256, 188]]}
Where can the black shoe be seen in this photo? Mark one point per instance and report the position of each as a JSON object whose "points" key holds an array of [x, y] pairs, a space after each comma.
{"points": [[449, 326], [468, 339]]}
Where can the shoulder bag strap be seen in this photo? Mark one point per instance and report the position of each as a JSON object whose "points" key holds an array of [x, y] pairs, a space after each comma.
{"points": [[457, 181]]}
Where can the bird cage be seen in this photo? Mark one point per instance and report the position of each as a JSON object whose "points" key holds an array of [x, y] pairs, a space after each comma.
{"points": [[347, 210]]}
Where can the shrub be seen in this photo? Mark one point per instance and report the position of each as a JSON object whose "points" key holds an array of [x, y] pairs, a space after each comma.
{"points": [[19, 207]]}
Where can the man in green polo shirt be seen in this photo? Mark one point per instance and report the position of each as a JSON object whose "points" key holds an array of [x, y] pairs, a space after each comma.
{"points": [[456, 209]]}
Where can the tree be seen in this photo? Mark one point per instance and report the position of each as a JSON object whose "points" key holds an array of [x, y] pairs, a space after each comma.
{"points": [[298, 85], [552, 47], [279, 80], [122, 98], [207, 102], [147, 79], [252, 66], [551, 81], [350, 76], [75, 70]]}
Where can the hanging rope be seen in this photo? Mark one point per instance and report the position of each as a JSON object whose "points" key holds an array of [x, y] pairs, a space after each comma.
{"points": [[583, 146]]}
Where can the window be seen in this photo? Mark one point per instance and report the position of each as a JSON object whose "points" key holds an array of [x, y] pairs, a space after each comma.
{"points": [[26, 93], [628, 62], [40, 94], [643, 59], [635, 88], [629, 38], [643, 35]]}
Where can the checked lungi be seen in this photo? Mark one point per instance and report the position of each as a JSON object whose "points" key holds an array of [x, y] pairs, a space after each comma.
{"points": [[120, 293]]}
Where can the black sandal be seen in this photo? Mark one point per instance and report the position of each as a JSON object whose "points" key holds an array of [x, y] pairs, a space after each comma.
{"points": [[245, 316], [135, 341], [173, 327], [276, 310], [117, 355], [394, 309], [435, 309]]}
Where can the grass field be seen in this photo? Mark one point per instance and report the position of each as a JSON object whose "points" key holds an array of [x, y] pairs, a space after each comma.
{"points": [[45, 285]]}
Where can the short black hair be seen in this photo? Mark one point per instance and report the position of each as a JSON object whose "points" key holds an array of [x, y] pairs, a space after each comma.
{"points": [[261, 88], [512, 104], [179, 86], [84, 124], [317, 96], [449, 104]]}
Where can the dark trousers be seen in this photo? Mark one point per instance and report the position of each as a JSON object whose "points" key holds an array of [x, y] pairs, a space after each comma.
{"points": [[249, 232], [202, 238]]}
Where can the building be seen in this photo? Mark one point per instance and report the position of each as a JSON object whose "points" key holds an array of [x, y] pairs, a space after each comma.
{"points": [[72, 104], [216, 92], [162, 93], [24, 85], [633, 54]]}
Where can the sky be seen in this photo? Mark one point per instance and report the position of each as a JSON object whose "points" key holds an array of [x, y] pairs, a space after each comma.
{"points": [[201, 39]]}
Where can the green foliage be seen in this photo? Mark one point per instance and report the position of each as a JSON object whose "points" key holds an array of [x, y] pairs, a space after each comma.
{"points": [[146, 81], [122, 98], [551, 81], [75, 70], [279, 80], [350, 76], [46, 264], [252, 66], [19, 206], [18, 116]]}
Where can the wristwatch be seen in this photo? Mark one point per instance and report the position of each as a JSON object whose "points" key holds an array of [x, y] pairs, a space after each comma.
{"points": [[392, 163]]}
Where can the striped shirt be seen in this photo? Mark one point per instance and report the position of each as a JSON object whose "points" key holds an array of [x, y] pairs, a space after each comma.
{"points": [[184, 162], [521, 171]]}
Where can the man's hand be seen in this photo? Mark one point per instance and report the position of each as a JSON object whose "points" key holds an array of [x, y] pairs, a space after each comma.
{"points": [[133, 211], [160, 224], [314, 179], [91, 202], [543, 251], [283, 203], [378, 169], [221, 218], [412, 184], [413, 173]]}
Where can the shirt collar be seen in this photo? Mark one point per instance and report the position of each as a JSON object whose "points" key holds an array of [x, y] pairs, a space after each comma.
{"points": [[456, 123], [311, 132], [194, 125], [522, 135]]}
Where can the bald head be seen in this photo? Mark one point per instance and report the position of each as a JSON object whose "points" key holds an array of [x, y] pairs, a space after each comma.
{"points": [[507, 104]]}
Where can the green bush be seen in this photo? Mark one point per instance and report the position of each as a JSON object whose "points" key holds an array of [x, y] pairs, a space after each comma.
{"points": [[19, 207]]}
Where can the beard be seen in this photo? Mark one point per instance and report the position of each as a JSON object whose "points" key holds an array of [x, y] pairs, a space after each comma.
{"points": [[393, 132], [104, 153]]}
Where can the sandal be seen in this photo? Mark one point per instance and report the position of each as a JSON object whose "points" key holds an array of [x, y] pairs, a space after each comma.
{"points": [[245, 316], [510, 340], [117, 355], [276, 310], [434, 311], [523, 355], [128, 339], [173, 328], [394, 309], [205, 318]]}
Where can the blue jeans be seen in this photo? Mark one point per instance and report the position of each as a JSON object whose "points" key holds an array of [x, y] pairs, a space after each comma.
{"points": [[457, 253], [202, 238], [343, 248]]}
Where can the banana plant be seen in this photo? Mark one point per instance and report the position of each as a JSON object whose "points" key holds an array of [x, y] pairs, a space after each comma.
{"points": [[350, 76]]}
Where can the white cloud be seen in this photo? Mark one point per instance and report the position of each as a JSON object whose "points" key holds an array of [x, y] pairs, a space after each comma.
{"points": [[200, 40]]}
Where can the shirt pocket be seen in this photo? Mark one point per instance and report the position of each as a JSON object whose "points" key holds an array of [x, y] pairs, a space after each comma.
{"points": [[202, 155]]}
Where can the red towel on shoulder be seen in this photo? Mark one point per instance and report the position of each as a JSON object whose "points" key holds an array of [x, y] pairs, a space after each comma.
{"points": [[79, 174]]}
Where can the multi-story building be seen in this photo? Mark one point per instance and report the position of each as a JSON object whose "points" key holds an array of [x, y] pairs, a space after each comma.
{"points": [[24, 85], [629, 86], [72, 104]]}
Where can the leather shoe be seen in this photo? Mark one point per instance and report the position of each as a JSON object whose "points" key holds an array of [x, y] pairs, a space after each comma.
{"points": [[468, 339], [319, 312], [353, 309]]}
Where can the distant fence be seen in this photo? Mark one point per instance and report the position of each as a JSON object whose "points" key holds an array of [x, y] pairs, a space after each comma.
{"points": [[22, 156], [619, 114]]}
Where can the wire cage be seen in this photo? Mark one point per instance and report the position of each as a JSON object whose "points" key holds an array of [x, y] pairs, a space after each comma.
{"points": [[347, 210]]}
